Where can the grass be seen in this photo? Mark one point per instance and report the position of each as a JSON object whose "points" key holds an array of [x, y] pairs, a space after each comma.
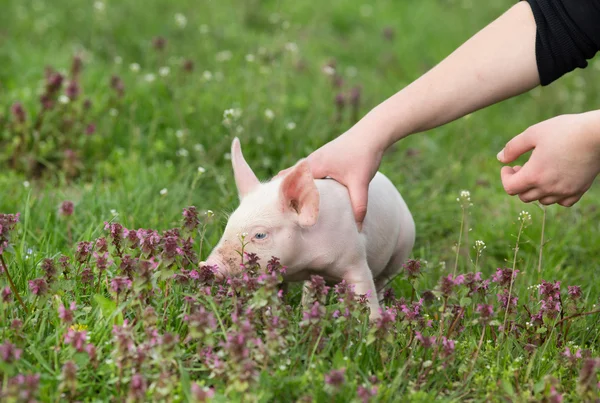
{"points": [[140, 167]]}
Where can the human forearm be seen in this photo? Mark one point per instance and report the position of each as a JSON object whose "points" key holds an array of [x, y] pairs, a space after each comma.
{"points": [[495, 64]]}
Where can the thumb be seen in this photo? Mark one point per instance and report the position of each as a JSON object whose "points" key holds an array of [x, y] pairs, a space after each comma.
{"points": [[359, 198], [514, 148]]}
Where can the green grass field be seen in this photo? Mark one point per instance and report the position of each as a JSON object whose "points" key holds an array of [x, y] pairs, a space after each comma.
{"points": [[141, 136]]}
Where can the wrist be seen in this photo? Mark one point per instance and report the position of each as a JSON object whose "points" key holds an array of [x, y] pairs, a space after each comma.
{"points": [[591, 127]]}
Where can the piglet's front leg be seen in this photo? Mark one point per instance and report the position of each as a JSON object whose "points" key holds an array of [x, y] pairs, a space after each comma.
{"points": [[361, 278]]}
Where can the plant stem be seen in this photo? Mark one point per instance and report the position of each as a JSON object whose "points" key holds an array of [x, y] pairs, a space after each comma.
{"points": [[462, 223], [12, 285], [475, 355], [512, 278], [541, 244]]}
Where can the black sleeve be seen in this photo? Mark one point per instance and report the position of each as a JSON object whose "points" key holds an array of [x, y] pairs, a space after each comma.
{"points": [[568, 34]]}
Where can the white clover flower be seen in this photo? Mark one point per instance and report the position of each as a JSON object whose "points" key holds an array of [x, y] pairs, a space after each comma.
{"points": [[329, 70], [198, 147], [207, 75], [99, 6], [291, 47], [269, 114], [232, 113], [179, 133], [113, 211], [224, 55], [164, 71], [134, 67], [201, 170], [182, 152], [209, 213], [464, 199], [63, 99], [150, 77], [260, 140], [290, 126], [163, 191], [118, 60], [180, 20], [26, 184], [266, 162], [227, 156], [113, 112], [203, 29], [250, 58]]}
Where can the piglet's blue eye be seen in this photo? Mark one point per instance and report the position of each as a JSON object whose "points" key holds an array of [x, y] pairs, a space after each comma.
{"points": [[260, 235]]}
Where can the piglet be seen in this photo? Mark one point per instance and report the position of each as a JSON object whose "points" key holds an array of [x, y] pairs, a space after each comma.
{"points": [[309, 225]]}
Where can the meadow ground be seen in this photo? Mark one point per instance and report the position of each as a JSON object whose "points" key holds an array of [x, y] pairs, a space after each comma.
{"points": [[139, 131]]}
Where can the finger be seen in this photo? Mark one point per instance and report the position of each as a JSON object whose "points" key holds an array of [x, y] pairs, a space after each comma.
{"points": [[530, 195], [515, 182], [318, 169], [548, 200], [517, 168], [359, 198], [569, 201], [517, 146]]}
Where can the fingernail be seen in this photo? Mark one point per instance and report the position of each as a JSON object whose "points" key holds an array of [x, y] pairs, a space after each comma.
{"points": [[500, 155]]}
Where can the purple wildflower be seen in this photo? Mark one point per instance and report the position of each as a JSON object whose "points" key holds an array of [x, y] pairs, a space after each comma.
{"points": [[365, 393], [412, 268], [504, 301], [72, 90], [336, 377], [49, 270], [137, 388], [388, 33], [53, 83], [69, 375], [149, 240], [116, 233], [90, 129], [117, 84], [503, 276], [201, 394], [76, 339], [448, 346], [574, 291], [66, 208], [9, 353], [159, 42], [76, 66], [7, 225], [87, 276], [18, 112], [190, 218], [188, 65], [67, 314], [448, 283], [120, 284], [38, 286], [84, 250], [102, 261], [426, 341], [486, 311], [24, 388], [6, 295]]}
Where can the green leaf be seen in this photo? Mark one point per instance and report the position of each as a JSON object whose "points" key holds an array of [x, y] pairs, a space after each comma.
{"points": [[108, 308], [542, 330], [464, 301]]}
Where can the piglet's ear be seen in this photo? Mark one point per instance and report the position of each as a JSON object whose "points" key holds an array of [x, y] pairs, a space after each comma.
{"points": [[299, 194], [245, 180]]}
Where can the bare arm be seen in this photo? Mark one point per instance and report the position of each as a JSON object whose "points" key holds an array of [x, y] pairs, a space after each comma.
{"points": [[495, 64]]}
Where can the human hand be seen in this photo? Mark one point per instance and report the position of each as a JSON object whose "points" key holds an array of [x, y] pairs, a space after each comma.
{"points": [[351, 159], [564, 162]]}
